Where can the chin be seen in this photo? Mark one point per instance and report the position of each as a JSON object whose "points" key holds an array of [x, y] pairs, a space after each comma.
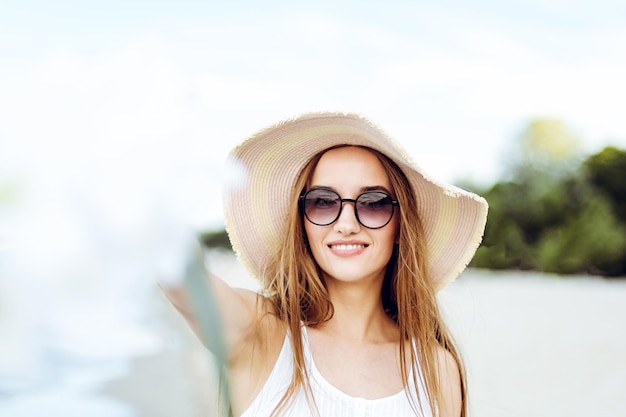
{"points": [[350, 275]]}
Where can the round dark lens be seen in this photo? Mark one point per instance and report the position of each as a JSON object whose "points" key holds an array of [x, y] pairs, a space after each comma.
{"points": [[374, 209], [322, 206]]}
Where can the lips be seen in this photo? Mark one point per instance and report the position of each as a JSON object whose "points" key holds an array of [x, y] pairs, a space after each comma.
{"points": [[347, 247]]}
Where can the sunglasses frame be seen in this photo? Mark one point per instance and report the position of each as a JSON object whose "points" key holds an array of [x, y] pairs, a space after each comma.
{"points": [[302, 198]]}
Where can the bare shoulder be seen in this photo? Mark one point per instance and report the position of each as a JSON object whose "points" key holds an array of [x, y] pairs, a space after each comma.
{"points": [[450, 378], [264, 330], [247, 317], [254, 354]]}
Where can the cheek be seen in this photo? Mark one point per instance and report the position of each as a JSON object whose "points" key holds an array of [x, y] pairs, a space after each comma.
{"points": [[315, 237], [312, 235]]}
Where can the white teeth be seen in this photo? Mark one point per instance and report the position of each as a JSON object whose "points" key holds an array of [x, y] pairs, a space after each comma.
{"points": [[347, 247]]}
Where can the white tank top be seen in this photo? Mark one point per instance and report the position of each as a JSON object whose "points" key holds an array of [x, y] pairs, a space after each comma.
{"points": [[329, 400]]}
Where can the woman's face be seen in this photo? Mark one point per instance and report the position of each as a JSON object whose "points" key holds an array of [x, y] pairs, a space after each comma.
{"points": [[345, 250]]}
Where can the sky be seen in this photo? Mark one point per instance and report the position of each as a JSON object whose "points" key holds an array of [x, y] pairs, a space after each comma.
{"points": [[132, 103]]}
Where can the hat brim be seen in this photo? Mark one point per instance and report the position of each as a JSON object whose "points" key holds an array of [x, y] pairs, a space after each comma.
{"points": [[255, 208]]}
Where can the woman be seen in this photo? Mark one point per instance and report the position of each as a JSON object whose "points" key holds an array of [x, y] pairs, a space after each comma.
{"points": [[351, 241]]}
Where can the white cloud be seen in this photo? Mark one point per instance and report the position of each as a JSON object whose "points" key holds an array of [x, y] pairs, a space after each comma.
{"points": [[127, 116]]}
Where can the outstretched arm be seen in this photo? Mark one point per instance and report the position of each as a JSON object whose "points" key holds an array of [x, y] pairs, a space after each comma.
{"points": [[237, 325], [224, 318]]}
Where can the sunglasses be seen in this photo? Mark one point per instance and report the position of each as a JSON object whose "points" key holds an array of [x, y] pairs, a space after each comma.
{"points": [[372, 209]]}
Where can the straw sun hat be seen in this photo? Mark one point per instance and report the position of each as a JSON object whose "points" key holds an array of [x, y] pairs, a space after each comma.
{"points": [[257, 206]]}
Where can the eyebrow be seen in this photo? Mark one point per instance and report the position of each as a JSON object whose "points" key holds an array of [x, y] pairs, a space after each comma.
{"points": [[361, 190], [376, 188]]}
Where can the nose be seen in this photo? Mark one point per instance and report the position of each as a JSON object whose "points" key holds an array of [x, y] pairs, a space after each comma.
{"points": [[347, 222]]}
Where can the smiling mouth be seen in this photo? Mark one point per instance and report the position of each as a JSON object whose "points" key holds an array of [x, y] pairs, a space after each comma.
{"points": [[347, 247]]}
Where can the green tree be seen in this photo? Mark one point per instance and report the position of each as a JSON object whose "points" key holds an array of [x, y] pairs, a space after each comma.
{"points": [[216, 239], [593, 241], [607, 172], [556, 213]]}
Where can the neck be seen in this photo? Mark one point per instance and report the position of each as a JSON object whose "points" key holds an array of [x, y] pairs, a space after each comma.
{"points": [[358, 312]]}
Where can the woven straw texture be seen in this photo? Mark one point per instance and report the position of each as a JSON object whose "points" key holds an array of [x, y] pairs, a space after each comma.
{"points": [[257, 205]]}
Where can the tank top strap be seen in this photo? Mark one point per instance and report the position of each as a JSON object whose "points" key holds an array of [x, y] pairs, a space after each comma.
{"points": [[329, 400], [276, 385]]}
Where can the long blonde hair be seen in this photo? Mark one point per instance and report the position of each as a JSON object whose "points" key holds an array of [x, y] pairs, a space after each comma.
{"points": [[294, 287]]}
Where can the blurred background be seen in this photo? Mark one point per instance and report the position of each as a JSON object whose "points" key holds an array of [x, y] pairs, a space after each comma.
{"points": [[116, 119]]}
